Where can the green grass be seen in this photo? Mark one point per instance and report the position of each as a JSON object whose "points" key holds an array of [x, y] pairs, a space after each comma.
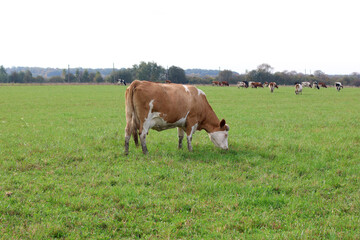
{"points": [[292, 170]]}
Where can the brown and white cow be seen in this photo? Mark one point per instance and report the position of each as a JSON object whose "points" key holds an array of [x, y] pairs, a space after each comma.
{"points": [[298, 89], [256, 85], [225, 83], [321, 84], [216, 83], [162, 106], [273, 85]]}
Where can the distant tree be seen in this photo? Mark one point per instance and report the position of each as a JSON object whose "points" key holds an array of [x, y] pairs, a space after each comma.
{"points": [[261, 74], [39, 79], [265, 68], [17, 77], [92, 77], [98, 78], [148, 71], [177, 75], [78, 75], [225, 75], [85, 76], [3, 75], [321, 76], [28, 77], [64, 74], [264, 73], [13, 77], [56, 79]]}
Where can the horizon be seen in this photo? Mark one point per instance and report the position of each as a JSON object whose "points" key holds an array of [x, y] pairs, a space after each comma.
{"points": [[310, 72]]}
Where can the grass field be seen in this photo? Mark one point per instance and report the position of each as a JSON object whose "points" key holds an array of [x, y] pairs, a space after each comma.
{"points": [[291, 172]]}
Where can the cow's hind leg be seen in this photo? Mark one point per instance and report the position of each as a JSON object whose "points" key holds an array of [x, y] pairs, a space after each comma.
{"points": [[135, 136], [127, 136], [143, 142], [143, 132], [181, 137], [135, 132]]}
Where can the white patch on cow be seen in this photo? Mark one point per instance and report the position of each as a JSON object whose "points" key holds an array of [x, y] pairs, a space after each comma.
{"points": [[220, 139], [201, 92], [186, 88], [154, 121], [193, 129]]}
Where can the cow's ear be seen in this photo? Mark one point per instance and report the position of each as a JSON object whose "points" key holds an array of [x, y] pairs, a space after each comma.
{"points": [[222, 123]]}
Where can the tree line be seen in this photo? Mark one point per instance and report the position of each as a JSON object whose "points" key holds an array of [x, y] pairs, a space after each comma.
{"points": [[151, 71]]}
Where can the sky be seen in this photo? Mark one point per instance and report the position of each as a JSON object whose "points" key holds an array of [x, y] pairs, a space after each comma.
{"points": [[291, 35]]}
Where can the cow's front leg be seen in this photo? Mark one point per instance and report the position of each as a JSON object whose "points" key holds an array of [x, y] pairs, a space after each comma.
{"points": [[189, 138], [190, 130], [181, 137]]}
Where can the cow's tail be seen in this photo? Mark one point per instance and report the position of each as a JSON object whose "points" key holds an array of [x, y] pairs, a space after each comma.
{"points": [[132, 122]]}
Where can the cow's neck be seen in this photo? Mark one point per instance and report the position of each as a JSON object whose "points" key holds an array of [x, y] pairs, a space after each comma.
{"points": [[210, 122]]}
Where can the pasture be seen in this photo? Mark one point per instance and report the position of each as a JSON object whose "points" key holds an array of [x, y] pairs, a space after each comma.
{"points": [[292, 169]]}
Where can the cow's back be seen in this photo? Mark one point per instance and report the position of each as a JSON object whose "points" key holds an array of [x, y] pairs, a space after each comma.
{"points": [[171, 101]]}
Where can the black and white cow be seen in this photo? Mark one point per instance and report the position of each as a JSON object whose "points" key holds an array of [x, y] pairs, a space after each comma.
{"points": [[121, 82], [315, 85], [338, 86]]}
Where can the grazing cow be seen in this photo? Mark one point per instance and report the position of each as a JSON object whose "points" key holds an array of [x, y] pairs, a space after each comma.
{"points": [[321, 84], [273, 85], [315, 85], [256, 84], [306, 84], [243, 84], [224, 83], [266, 84], [298, 89], [216, 83], [167, 81], [121, 82], [338, 86], [162, 106]]}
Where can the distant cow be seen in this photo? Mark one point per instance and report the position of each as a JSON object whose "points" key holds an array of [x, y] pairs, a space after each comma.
{"points": [[224, 83], [321, 84], [121, 82], [298, 89], [256, 85], [216, 83], [306, 84], [167, 81], [315, 85], [162, 106], [338, 86], [243, 84], [266, 84], [273, 85]]}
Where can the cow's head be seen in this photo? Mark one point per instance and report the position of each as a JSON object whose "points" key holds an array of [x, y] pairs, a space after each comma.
{"points": [[220, 136]]}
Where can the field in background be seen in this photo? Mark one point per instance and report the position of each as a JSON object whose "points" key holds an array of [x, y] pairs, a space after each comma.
{"points": [[292, 170]]}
